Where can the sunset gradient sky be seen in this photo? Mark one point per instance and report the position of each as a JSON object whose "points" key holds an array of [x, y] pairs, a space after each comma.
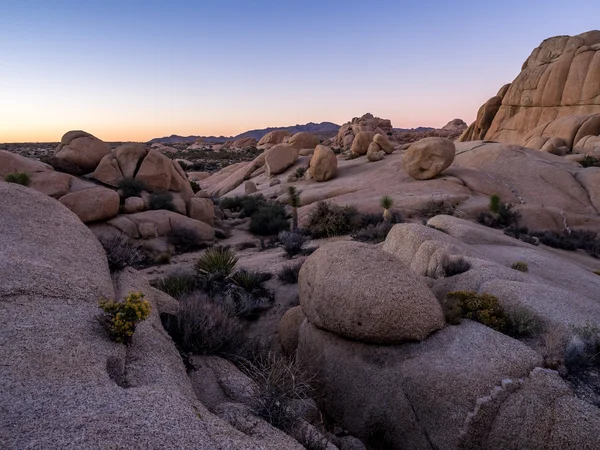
{"points": [[134, 70]]}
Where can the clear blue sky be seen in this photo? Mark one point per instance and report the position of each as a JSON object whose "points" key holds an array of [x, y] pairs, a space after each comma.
{"points": [[133, 70]]}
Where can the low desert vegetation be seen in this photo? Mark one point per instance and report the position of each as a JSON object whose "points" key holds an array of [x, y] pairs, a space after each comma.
{"points": [[195, 187], [161, 200], [436, 208], [283, 389], [300, 171], [590, 161], [521, 266], [454, 266], [130, 187], [292, 242], [18, 177], [289, 273], [177, 284], [582, 362], [266, 218], [215, 266], [119, 319], [121, 252], [522, 323], [204, 327], [597, 272], [500, 214], [247, 295], [483, 308], [294, 201], [185, 240], [386, 203], [571, 240]]}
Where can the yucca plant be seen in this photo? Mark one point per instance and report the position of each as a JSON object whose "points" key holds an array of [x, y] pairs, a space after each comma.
{"points": [[386, 203], [495, 204], [217, 263], [294, 200]]}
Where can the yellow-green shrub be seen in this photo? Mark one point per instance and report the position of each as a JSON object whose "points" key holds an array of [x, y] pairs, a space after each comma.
{"points": [[120, 318], [483, 308]]}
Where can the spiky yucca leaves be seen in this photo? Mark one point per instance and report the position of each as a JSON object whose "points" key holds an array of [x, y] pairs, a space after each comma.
{"points": [[215, 266], [495, 204], [386, 203]]}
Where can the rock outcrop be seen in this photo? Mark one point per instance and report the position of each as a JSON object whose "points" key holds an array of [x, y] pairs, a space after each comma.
{"points": [[323, 164], [279, 158], [368, 122], [556, 95], [366, 305], [272, 138], [92, 205], [79, 153], [304, 139], [428, 157]]}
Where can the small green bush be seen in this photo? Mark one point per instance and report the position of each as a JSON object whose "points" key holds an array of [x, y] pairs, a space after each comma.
{"points": [[373, 234], [247, 295], [163, 200], [436, 208], [522, 323], [120, 319], [292, 242], [289, 273], [456, 266], [576, 239], [18, 177], [501, 215], [185, 239], [328, 219], [521, 266], [130, 187], [216, 263], [590, 161], [246, 204], [300, 171], [177, 285], [204, 327], [597, 272], [195, 187], [269, 220], [483, 308], [121, 252]]}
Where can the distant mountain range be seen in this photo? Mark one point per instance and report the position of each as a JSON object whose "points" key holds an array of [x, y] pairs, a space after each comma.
{"points": [[323, 129]]}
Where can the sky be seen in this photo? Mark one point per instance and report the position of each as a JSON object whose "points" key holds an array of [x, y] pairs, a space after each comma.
{"points": [[133, 70]]}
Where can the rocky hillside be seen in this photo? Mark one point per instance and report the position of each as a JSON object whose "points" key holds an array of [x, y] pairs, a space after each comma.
{"points": [[554, 102], [323, 129]]}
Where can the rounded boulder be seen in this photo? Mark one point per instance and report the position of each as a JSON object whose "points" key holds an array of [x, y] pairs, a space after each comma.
{"points": [[428, 157], [383, 302], [323, 164], [361, 142], [304, 139]]}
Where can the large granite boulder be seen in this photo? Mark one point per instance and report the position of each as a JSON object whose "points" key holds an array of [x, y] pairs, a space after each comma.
{"points": [[303, 139], [323, 164], [557, 94], [92, 205], [341, 294], [428, 157], [79, 153], [279, 158]]}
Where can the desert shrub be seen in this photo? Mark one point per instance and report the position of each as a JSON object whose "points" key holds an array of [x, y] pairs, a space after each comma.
{"points": [[583, 350], [282, 387], [437, 207], [454, 266], [576, 239], [590, 161], [328, 219], [521, 322], [177, 285], [521, 233], [521, 266], [246, 204], [300, 171], [162, 200], [184, 166], [202, 326], [270, 219], [185, 239], [18, 177], [373, 233], [120, 319], [350, 156], [121, 253], [163, 258], [130, 187], [292, 242], [500, 215], [195, 187], [483, 308], [215, 266], [597, 272], [247, 295], [289, 273]]}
